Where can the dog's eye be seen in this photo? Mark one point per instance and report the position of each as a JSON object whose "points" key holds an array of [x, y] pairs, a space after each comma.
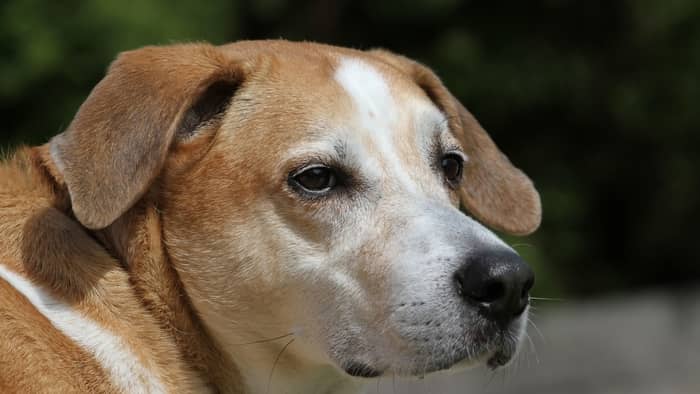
{"points": [[452, 165], [316, 179]]}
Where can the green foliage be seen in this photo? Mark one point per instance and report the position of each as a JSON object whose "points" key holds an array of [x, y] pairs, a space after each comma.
{"points": [[54, 52], [595, 100]]}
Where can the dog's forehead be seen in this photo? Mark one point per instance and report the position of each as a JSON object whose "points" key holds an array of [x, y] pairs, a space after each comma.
{"points": [[323, 98], [395, 119], [314, 70], [367, 88], [378, 91]]}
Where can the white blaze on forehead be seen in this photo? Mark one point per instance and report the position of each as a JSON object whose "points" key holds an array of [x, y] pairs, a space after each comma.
{"points": [[376, 111], [111, 353], [367, 88]]}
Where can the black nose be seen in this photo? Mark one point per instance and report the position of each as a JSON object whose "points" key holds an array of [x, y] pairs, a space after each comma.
{"points": [[498, 282]]}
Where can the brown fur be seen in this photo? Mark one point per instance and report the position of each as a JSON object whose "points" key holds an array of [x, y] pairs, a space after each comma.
{"points": [[119, 138], [41, 241], [29, 343], [101, 227]]}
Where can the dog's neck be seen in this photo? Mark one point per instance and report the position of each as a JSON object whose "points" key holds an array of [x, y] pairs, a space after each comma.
{"points": [[136, 239], [305, 379]]}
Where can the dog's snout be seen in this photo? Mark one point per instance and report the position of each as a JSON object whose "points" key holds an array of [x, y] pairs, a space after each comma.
{"points": [[498, 282]]}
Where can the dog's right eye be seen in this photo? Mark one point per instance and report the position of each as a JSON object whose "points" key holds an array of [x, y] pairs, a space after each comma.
{"points": [[316, 179]]}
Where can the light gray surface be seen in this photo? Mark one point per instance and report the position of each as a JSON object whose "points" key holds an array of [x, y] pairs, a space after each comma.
{"points": [[640, 344]]}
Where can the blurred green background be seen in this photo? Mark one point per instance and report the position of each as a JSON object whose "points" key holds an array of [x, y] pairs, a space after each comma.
{"points": [[596, 100]]}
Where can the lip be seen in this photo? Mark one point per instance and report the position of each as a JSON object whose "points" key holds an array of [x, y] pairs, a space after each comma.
{"points": [[491, 346], [494, 356], [361, 370], [493, 360], [499, 359], [503, 353]]}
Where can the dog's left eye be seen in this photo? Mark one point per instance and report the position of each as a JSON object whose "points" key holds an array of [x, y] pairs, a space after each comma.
{"points": [[452, 166], [316, 179]]}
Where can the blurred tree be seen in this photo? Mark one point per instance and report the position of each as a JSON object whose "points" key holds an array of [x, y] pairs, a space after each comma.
{"points": [[594, 100], [53, 53]]}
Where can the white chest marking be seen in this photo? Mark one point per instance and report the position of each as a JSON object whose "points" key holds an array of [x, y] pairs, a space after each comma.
{"points": [[111, 353], [377, 112]]}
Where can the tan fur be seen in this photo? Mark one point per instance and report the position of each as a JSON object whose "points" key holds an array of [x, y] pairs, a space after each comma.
{"points": [[42, 242], [122, 222], [143, 96], [29, 343]]}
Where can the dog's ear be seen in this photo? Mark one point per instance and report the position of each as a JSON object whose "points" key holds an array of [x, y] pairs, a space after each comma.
{"points": [[493, 190], [118, 141]]}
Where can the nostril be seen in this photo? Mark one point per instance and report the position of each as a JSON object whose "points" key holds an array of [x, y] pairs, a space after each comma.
{"points": [[527, 287], [491, 292], [476, 283]]}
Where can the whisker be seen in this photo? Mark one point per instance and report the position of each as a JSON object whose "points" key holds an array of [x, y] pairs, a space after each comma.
{"points": [[522, 244], [263, 340], [277, 359], [515, 368], [547, 299], [488, 383], [502, 374], [536, 329], [534, 348], [528, 357]]}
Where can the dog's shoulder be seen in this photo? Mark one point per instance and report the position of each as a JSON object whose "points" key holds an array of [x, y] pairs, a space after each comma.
{"points": [[31, 351], [30, 209], [65, 300], [29, 340], [39, 240]]}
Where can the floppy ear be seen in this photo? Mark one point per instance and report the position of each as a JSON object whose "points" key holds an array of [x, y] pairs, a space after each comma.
{"points": [[118, 141], [493, 190]]}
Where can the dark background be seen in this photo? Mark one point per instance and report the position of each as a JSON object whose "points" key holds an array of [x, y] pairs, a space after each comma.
{"points": [[596, 100]]}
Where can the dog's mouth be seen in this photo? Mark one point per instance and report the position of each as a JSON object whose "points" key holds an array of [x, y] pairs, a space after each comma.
{"points": [[496, 353], [361, 370], [499, 359], [484, 344], [495, 360], [501, 349]]}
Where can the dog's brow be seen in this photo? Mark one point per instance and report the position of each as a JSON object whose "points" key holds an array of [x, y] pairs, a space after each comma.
{"points": [[341, 149], [443, 133], [433, 130]]}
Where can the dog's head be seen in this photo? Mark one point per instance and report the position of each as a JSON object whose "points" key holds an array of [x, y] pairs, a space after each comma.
{"points": [[313, 191]]}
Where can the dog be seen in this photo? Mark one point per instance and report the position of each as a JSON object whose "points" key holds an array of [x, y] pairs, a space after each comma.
{"points": [[262, 216]]}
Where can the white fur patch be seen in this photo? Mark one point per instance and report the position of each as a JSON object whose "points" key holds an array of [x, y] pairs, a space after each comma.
{"points": [[111, 353], [55, 155], [377, 112]]}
